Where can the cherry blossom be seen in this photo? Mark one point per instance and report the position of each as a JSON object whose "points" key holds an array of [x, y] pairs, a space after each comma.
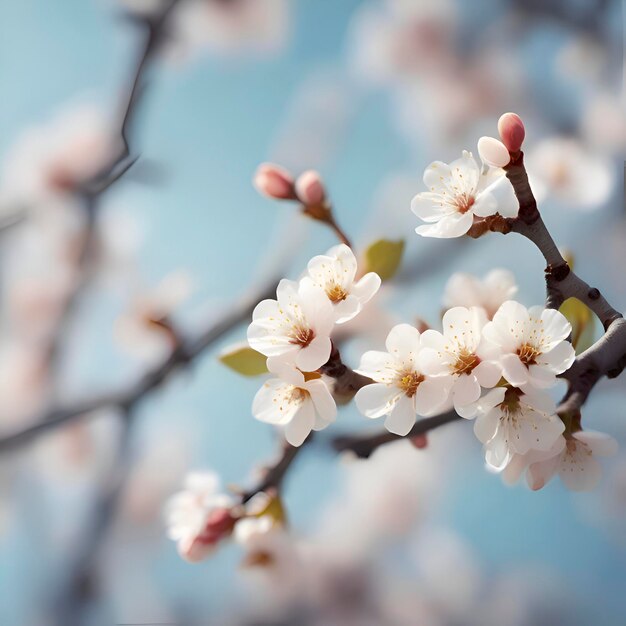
{"points": [[401, 390], [575, 463], [532, 343], [460, 355], [495, 288], [511, 422], [335, 273], [199, 516], [299, 402], [295, 326], [458, 192]]}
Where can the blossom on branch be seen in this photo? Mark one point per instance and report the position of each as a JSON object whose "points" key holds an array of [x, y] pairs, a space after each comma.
{"points": [[510, 422], [295, 326], [459, 192], [495, 288], [299, 402], [532, 343], [575, 463], [335, 272], [461, 356], [401, 390], [199, 516]]}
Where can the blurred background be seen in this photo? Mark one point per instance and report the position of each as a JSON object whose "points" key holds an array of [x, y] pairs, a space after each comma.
{"points": [[368, 93]]}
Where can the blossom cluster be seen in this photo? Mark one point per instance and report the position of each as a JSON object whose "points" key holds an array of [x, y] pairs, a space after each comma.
{"points": [[294, 332], [201, 516]]}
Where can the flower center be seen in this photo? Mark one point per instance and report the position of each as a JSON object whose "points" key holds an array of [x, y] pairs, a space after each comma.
{"points": [[464, 202], [466, 362], [335, 292], [409, 381], [528, 354], [302, 336]]}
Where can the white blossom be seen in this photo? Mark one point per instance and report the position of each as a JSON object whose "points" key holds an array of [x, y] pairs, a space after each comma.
{"points": [[458, 192], [532, 343], [400, 390], [335, 273], [495, 288], [460, 355], [576, 462], [295, 326], [510, 422], [298, 402], [199, 516]]}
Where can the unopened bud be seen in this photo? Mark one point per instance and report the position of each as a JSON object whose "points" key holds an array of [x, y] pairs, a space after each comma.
{"points": [[493, 152], [274, 181], [419, 441], [512, 131], [310, 188], [219, 525]]}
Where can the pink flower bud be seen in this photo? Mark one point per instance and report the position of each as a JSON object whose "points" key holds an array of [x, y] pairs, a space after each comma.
{"points": [[493, 152], [419, 441], [219, 525], [512, 131], [274, 181], [310, 188]]}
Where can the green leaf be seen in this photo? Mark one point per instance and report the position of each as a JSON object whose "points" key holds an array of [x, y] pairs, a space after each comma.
{"points": [[583, 322], [384, 257], [244, 360]]}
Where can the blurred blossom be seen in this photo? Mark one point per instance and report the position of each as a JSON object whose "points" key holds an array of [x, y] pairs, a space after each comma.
{"points": [[398, 39], [52, 160], [495, 288], [218, 26], [146, 329], [564, 169], [604, 123]]}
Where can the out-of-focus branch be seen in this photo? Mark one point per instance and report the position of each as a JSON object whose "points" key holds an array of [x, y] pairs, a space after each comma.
{"points": [[128, 397], [273, 474], [364, 445]]}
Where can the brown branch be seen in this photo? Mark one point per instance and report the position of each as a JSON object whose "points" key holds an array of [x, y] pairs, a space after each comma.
{"points": [[272, 475], [347, 381], [364, 445], [128, 397]]}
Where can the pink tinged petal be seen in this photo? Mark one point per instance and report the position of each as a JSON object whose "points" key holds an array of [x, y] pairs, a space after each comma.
{"points": [[504, 197], [322, 400], [286, 370], [465, 173], [468, 411], [366, 288], [600, 444], [346, 262], [314, 355], [310, 188], [539, 400], [287, 291], [433, 363], [379, 366], [555, 324], [540, 473], [466, 390], [560, 358], [515, 468], [347, 309], [402, 417], [275, 402], [403, 342], [486, 425], [488, 373], [377, 400], [430, 207], [514, 370], [512, 131], [497, 454], [316, 307], [298, 429], [448, 227], [431, 395], [493, 152], [433, 339], [436, 175], [578, 470], [541, 377], [535, 431], [274, 181], [485, 205]]}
